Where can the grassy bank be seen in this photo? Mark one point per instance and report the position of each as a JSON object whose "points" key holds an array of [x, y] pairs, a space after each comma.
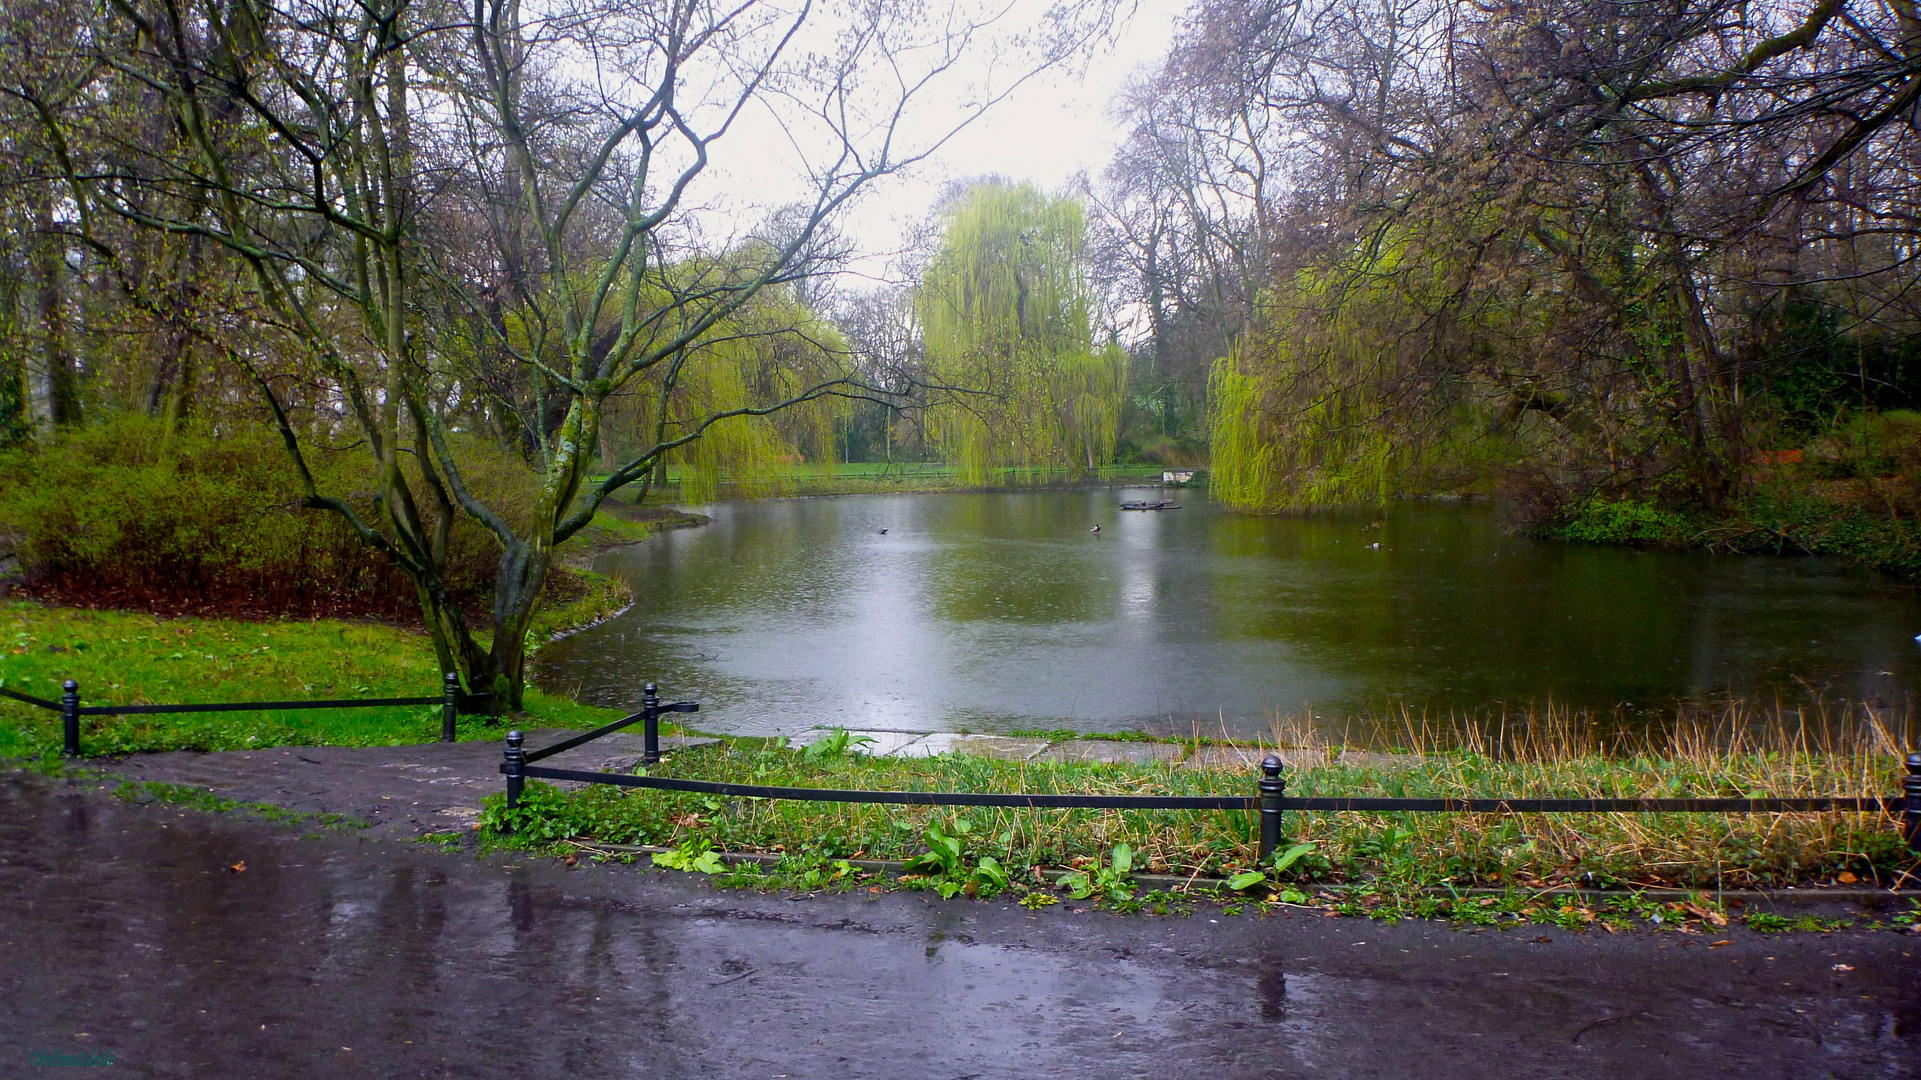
{"points": [[1368, 859], [127, 658], [1852, 491]]}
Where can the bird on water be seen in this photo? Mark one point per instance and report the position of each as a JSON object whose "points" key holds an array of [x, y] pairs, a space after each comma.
{"points": [[1096, 528], [883, 532]]}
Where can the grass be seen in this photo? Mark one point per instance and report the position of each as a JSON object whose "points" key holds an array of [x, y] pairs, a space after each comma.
{"points": [[1397, 859], [127, 658], [144, 792]]}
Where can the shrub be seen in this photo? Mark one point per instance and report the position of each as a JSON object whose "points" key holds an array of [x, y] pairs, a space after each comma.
{"points": [[125, 514], [1624, 522]]}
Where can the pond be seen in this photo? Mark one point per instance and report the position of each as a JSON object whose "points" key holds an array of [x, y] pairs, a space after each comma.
{"points": [[1001, 612]]}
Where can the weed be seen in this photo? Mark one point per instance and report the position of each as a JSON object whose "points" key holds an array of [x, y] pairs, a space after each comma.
{"points": [[144, 792], [944, 864], [1113, 879], [838, 742], [694, 856]]}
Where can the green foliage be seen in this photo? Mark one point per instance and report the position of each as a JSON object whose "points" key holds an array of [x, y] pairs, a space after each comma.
{"points": [[1278, 865], [543, 814], [1005, 310], [692, 856], [838, 742], [132, 511], [1809, 369], [1113, 879], [1399, 854], [1624, 521], [15, 427], [945, 864]]}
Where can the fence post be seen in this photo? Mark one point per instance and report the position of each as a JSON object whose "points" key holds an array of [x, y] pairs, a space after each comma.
{"points": [[650, 713], [516, 763], [1911, 805], [449, 704], [70, 718], [1273, 789]]}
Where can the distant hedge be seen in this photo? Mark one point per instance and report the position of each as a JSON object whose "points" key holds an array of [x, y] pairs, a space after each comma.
{"points": [[124, 514]]}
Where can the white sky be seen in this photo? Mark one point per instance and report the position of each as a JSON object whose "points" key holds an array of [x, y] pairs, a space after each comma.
{"points": [[1051, 128]]}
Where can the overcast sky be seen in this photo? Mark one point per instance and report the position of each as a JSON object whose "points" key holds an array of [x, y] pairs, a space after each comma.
{"points": [[1053, 127]]}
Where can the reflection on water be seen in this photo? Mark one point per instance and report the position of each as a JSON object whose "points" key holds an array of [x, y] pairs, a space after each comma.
{"points": [[998, 612]]}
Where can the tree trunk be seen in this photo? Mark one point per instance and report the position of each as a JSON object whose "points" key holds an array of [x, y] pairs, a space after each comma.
{"points": [[58, 388], [522, 578]]}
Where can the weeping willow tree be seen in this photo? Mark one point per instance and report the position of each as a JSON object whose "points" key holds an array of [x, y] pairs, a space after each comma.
{"points": [[1005, 311], [768, 352], [1360, 383]]}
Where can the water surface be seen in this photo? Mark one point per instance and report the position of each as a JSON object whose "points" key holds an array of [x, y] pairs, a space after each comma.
{"points": [[1004, 611]]}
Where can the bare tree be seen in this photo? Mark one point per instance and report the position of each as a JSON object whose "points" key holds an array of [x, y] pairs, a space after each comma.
{"points": [[495, 214]]}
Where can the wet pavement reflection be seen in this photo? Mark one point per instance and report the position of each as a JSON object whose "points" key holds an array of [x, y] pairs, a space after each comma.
{"points": [[188, 944]]}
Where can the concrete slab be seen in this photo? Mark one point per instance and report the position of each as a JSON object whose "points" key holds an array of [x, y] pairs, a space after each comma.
{"points": [[1111, 752], [633, 742], [1243, 759], [1004, 747]]}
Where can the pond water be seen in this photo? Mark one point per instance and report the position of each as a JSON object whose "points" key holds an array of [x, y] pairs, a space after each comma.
{"points": [[1000, 612]]}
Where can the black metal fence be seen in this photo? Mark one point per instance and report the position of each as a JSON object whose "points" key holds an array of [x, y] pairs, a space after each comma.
{"points": [[1271, 800], [453, 702]]}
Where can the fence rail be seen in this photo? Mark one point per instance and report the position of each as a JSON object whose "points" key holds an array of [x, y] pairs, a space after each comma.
{"points": [[1271, 802], [453, 701]]}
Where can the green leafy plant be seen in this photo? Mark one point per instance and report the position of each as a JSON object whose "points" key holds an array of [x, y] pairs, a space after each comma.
{"points": [[945, 862], [1113, 880], [1247, 879], [1035, 901], [691, 856], [837, 743], [543, 813]]}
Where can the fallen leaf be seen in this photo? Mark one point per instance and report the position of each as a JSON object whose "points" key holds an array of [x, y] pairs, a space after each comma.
{"points": [[1843, 967], [1708, 914], [239, 867], [1718, 944], [1847, 878]]}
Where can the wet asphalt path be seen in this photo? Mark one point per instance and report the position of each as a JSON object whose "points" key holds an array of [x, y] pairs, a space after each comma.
{"points": [[335, 955]]}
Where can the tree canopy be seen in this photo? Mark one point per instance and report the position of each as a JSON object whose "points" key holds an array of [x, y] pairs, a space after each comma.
{"points": [[1005, 311]]}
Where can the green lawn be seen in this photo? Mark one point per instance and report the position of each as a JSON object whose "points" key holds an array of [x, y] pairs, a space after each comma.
{"points": [[125, 658]]}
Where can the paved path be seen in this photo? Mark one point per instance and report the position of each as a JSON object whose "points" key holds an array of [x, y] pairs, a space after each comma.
{"points": [[402, 790], [197, 945], [433, 787]]}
